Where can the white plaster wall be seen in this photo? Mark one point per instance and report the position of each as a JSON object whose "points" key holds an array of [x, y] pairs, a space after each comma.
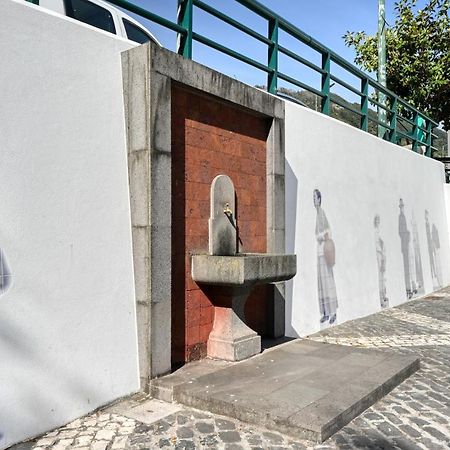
{"points": [[447, 204], [359, 176], [67, 323]]}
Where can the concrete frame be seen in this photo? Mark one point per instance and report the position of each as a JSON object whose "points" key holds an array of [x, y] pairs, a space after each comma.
{"points": [[148, 74]]}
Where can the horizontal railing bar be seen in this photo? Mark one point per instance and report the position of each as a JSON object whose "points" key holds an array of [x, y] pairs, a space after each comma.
{"points": [[346, 85], [383, 124], [380, 105], [148, 15], [214, 12], [341, 103], [299, 84], [405, 135], [300, 59], [411, 122], [415, 110], [206, 41]]}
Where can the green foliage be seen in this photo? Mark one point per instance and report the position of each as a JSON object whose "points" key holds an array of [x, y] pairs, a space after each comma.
{"points": [[418, 56]]}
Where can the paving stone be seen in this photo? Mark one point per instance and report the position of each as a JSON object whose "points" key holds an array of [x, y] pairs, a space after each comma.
{"points": [[106, 435], [410, 431], [405, 444], [388, 429], [119, 443], [181, 419], [209, 441], [99, 445], [437, 434], [229, 436], [185, 433], [273, 438], [204, 427], [185, 445]]}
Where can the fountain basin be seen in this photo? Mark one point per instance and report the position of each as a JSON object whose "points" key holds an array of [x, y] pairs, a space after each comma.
{"points": [[242, 270]]}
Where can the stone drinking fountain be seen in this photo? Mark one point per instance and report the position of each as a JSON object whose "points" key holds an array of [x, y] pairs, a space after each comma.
{"points": [[231, 339]]}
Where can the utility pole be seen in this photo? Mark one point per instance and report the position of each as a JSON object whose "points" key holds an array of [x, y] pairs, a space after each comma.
{"points": [[381, 64]]}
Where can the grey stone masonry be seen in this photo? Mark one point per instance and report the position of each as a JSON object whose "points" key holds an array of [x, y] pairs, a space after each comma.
{"points": [[149, 72]]}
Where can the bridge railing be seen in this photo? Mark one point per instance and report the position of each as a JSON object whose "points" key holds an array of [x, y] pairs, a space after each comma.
{"points": [[399, 121]]}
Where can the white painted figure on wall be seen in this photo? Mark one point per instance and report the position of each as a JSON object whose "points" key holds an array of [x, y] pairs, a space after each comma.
{"points": [[405, 240], [381, 260], [416, 263], [328, 303], [434, 246], [5, 274]]}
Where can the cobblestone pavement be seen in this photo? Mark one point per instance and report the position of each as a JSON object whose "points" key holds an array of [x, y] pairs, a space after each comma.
{"points": [[415, 415]]}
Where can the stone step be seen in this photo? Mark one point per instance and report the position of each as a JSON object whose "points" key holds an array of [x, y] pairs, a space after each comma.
{"points": [[303, 388]]}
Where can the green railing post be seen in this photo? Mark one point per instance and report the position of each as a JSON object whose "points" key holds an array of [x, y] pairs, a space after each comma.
{"points": [[326, 62], [415, 132], [364, 104], [393, 122], [272, 56], [428, 151], [184, 19]]}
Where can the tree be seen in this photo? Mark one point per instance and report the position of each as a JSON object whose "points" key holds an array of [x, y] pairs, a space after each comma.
{"points": [[418, 56]]}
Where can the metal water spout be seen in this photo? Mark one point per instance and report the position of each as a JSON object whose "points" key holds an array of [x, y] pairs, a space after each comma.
{"points": [[222, 220]]}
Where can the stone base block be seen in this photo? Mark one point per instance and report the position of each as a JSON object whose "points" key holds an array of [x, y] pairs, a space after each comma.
{"points": [[237, 350]]}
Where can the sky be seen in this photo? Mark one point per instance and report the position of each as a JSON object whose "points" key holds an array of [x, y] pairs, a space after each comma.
{"points": [[325, 20]]}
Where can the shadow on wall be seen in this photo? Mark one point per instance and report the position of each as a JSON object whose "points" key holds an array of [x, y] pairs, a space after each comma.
{"points": [[381, 263], [410, 248], [434, 246], [291, 184]]}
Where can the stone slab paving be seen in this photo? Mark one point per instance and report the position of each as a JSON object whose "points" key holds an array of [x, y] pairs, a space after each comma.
{"points": [[415, 415], [304, 388]]}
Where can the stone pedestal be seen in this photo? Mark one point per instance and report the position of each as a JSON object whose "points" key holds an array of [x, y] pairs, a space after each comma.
{"points": [[231, 339]]}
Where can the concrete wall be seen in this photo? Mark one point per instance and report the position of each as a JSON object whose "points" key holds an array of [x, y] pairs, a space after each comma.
{"points": [[67, 319], [359, 177]]}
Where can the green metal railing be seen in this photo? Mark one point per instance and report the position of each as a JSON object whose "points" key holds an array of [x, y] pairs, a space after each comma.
{"points": [[404, 123]]}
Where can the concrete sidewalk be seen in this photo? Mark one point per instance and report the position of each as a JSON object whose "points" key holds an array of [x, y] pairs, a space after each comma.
{"points": [[415, 415]]}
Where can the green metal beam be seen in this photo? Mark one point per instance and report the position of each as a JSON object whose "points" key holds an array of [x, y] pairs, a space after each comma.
{"points": [[325, 87], [415, 132], [272, 57], [429, 140], [393, 133], [364, 105], [184, 19]]}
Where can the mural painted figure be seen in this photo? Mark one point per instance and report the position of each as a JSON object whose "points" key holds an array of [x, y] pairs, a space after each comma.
{"points": [[416, 263], [5, 274], [325, 261], [433, 251], [381, 260], [405, 238]]}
